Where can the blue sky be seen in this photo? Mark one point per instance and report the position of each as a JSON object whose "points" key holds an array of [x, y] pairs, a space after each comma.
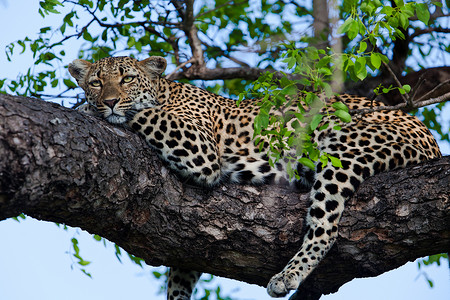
{"points": [[35, 259]]}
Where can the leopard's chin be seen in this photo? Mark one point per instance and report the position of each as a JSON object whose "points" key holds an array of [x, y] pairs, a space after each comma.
{"points": [[116, 119]]}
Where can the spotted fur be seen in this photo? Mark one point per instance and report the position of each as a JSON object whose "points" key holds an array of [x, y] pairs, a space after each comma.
{"points": [[209, 139]]}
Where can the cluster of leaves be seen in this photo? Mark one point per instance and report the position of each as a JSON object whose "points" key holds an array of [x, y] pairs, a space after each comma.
{"points": [[288, 132], [382, 22], [370, 24], [276, 124], [82, 263], [372, 27], [79, 260], [431, 260], [205, 289], [118, 252], [140, 28]]}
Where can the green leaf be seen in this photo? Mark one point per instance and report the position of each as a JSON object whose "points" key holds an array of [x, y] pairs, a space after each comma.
{"points": [[324, 160], [22, 216], [360, 68], [290, 61], [336, 162], [404, 22], [312, 53], [375, 59], [346, 25], [84, 262], [343, 115], [289, 90], [307, 162], [338, 105], [289, 170], [315, 121], [423, 13], [157, 274], [118, 252], [353, 30], [44, 30], [87, 36], [362, 47], [324, 126], [69, 83], [86, 273], [137, 260]]}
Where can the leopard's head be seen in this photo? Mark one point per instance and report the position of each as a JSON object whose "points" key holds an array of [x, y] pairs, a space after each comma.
{"points": [[118, 87]]}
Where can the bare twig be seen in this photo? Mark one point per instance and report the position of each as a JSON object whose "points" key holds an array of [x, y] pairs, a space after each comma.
{"points": [[169, 76], [419, 32], [434, 89], [417, 86], [414, 105]]}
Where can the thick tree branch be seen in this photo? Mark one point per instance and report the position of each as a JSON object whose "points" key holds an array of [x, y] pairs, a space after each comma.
{"points": [[58, 165], [228, 73]]}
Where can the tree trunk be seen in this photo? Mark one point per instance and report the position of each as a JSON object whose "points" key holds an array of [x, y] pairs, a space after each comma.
{"points": [[58, 165]]}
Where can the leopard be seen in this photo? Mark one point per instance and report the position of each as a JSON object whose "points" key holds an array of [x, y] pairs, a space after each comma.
{"points": [[210, 139]]}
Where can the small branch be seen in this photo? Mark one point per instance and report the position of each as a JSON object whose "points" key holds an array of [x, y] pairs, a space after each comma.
{"points": [[430, 101], [419, 32], [169, 76], [78, 35], [226, 54], [230, 73], [417, 86], [414, 105], [434, 89], [405, 97]]}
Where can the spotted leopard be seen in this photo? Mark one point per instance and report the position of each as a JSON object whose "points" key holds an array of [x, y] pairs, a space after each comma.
{"points": [[209, 139]]}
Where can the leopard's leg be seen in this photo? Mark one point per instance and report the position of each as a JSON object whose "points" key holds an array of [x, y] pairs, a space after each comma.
{"points": [[322, 219], [190, 150], [181, 283], [332, 187]]}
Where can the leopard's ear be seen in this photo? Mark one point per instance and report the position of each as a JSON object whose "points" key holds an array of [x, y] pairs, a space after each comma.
{"points": [[79, 69], [154, 65]]}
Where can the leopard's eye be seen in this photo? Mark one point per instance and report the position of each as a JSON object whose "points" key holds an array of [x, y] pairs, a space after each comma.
{"points": [[127, 79], [95, 83]]}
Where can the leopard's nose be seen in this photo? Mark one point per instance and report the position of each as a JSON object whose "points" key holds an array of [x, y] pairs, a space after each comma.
{"points": [[110, 102]]}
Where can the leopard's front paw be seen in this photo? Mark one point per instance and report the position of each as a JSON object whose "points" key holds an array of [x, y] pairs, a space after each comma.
{"points": [[282, 283]]}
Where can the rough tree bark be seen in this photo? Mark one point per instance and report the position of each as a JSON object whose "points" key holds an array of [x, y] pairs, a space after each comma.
{"points": [[58, 165]]}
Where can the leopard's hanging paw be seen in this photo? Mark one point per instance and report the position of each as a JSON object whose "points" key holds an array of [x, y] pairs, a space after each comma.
{"points": [[283, 282]]}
